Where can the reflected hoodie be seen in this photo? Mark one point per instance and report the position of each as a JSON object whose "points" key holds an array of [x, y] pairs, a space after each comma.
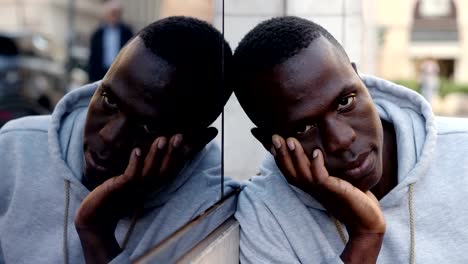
{"points": [[282, 224], [41, 170]]}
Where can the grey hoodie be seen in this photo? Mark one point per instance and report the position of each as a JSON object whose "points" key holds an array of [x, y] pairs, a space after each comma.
{"points": [[41, 169], [282, 224]]}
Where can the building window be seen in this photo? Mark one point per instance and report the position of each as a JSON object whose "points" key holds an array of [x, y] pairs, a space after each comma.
{"points": [[434, 8]]}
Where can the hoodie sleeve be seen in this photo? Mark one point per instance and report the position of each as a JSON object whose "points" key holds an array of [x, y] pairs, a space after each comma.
{"points": [[8, 152]]}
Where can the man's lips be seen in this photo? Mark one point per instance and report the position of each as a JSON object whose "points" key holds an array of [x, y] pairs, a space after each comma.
{"points": [[94, 162], [362, 166]]}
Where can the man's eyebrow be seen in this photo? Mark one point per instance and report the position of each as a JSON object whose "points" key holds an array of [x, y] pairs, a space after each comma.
{"points": [[347, 89]]}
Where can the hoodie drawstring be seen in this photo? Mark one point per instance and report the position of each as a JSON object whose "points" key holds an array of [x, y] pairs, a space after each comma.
{"points": [[411, 221], [65, 222]]}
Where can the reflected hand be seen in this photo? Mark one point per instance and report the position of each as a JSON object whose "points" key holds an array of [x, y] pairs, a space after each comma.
{"points": [[98, 214]]}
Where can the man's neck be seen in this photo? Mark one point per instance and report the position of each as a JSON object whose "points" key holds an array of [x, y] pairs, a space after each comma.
{"points": [[390, 162]]}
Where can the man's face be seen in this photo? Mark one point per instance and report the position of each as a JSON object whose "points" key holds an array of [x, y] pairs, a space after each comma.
{"points": [[130, 109], [317, 97], [113, 13]]}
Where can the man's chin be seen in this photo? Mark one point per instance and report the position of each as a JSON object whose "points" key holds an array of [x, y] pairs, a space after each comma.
{"points": [[368, 182]]}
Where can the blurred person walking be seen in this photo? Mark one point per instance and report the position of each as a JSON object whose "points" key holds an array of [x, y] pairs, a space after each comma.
{"points": [[429, 79], [107, 40]]}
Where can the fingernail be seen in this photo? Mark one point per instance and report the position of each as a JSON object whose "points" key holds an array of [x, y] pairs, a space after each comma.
{"points": [[138, 152], [291, 144], [315, 153], [276, 141], [161, 143], [177, 141], [273, 151]]}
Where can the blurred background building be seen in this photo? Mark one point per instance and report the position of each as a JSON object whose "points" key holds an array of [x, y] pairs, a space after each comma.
{"points": [[411, 31], [387, 38]]}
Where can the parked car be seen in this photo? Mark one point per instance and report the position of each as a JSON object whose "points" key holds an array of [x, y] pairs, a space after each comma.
{"points": [[30, 81]]}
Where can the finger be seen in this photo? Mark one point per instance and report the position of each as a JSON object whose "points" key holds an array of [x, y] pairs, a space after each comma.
{"points": [[317, 167], [282, 157], [133, 170], [154, 157], [300, 161], [172, 157]]}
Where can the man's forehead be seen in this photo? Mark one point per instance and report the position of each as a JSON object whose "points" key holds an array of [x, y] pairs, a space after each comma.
{"points": [[319, 60], [139, 79], [140, 70], [310, 81], [141, 64]]}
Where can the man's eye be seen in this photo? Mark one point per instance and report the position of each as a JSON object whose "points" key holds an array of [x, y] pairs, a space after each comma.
{"points": [[109, 101], [304, 129], [346, 102]]}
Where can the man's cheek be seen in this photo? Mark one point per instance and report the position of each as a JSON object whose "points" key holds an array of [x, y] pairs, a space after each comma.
{"points": [[309, 146]]}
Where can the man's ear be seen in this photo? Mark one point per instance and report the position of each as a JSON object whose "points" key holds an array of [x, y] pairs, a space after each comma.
{"points": [[262, 136], [199, 140], [353, 64]]}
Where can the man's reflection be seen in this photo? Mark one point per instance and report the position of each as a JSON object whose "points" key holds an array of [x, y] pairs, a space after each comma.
{"points": [[129, 169]]}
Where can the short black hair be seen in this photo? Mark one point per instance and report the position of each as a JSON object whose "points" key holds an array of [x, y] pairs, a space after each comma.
{"points": [[197, 51], [271, 43], [276, 40]]}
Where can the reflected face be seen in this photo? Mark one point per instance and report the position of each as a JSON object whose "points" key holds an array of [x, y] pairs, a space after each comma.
{"points": [[129, 109], [317, 97]]}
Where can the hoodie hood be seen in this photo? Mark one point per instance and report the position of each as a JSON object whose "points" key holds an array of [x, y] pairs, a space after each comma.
{"points": [[66, 147], [66, 135], [415, 130]]}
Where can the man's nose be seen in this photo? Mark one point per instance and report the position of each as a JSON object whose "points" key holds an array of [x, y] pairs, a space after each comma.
{"points": [[339, 135], [114, 131]]}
